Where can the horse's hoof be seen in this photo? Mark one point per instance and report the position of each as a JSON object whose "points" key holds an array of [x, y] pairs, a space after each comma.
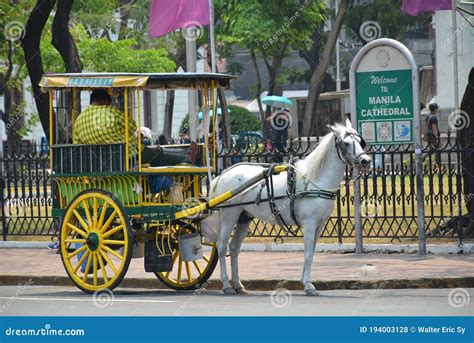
{"points": [[311, 292], [229, 291], [241, 290]]}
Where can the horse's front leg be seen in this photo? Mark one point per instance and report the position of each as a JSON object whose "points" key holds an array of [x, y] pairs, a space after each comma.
{"points": [[309, 245]]}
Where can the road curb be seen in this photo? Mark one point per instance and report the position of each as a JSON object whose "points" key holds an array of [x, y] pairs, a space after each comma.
{"points": [[260, 285], [438, 249]]}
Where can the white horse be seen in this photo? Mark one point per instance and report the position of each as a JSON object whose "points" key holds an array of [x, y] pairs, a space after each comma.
{"points": [[323, 169]]}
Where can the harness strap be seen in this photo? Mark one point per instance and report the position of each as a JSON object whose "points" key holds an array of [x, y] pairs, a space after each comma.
{"points": [[271, 201], [291, 191]]}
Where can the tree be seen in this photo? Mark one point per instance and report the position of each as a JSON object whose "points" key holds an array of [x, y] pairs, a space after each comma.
{"points": [[311, 120], [12, 16], [241, 119], [392, 22], [31, 48], [268, 29], [84, 42]]}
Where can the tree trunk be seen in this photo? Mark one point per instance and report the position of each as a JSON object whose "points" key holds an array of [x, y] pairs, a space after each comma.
{"points": [[62, 39], [14, 116], [31, 48], [467, 144], [168, 120], [258, 91], [312, 56], [274, 70], [124, 14], [310, 119]]}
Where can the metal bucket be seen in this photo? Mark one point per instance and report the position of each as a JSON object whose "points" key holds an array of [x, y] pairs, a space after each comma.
{"points": [[190, 246]]}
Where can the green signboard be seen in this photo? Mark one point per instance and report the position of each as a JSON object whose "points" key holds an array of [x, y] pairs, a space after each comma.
{"points": [[384, 102]]}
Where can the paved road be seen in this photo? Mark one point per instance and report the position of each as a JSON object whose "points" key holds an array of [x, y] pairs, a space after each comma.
{"points": [[60, 301]]}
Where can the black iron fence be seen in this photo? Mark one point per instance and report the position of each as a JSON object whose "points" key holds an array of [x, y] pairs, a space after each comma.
{"points": [[388, 192]]}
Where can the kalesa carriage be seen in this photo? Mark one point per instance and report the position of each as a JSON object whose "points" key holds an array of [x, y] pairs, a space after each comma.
{"points": [[106, 200]]}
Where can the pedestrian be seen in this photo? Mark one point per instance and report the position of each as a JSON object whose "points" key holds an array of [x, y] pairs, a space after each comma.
{"points": [[432, 133], [279, 133]]}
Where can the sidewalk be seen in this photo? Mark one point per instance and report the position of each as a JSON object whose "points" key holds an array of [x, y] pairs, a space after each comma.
{"points": [[269, 270]]}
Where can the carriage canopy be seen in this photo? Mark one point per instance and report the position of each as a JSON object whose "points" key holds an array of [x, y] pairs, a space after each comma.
{"points": [[159, 81]]}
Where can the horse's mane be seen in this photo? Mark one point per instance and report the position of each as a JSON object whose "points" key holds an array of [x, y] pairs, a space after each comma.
{"points": [[317, 158]]}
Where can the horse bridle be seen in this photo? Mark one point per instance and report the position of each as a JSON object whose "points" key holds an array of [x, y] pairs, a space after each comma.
{"points": [[341, 149]]}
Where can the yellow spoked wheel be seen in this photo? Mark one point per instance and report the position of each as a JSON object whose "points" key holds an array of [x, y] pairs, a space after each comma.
{"points": [[189, 275], [95, 241]]}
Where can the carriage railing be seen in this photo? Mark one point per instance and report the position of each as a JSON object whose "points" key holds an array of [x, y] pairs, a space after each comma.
{"points": [[88, 159]]}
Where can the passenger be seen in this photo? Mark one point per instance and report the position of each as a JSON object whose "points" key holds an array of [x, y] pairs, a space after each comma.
{"points": [[103, 123]]}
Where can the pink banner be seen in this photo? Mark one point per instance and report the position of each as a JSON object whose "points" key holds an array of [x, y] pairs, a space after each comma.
{"points": [[170, 15], [414, 7]]}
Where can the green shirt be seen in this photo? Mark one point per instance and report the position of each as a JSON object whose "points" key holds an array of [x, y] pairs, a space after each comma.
{"points": [[102, 125]]}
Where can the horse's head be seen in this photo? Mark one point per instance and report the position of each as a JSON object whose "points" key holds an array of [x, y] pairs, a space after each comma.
{"points": [[350, 146]]}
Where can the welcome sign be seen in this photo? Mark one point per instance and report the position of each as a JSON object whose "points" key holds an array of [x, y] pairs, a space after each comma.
{"points": [[382, 91], [385, 106]]}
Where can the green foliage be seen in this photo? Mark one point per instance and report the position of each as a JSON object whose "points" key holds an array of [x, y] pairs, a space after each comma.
{"points": [[30, 124], [265, 26], [241, 119], [387, 13], [101, 55], [13, 17], [96, 15]]}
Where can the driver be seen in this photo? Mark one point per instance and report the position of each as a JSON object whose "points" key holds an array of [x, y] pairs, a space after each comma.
{"points": [[102, 123]]}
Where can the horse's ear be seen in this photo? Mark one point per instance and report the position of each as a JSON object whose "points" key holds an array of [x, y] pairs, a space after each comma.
{"points": [[348, 123]]}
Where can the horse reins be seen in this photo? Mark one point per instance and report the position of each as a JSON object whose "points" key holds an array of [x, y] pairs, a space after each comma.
{"points": [[342, 151]]}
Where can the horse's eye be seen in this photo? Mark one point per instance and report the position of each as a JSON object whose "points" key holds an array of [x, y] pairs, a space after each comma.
{"points": [[346, 143]]}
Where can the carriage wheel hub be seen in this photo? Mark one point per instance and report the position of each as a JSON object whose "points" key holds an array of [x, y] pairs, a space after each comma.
{"points": [[92, 241]]}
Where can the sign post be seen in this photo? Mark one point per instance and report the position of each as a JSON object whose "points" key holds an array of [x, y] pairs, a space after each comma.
{"points": [[386, 110]]}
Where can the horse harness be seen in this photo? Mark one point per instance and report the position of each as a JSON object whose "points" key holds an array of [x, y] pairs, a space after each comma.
{"points": [[342, 151], [291, 192]]}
